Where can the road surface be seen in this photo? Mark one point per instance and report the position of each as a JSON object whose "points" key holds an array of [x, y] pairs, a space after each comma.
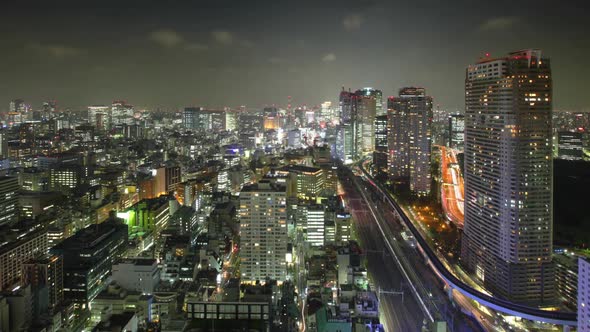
{"points": [[409, 314], [452, 189]]}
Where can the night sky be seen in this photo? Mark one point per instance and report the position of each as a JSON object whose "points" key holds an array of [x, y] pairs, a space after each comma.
{"points": [[172, 54]]}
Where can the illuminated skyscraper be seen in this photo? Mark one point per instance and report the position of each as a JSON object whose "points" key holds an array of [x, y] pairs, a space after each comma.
{"points": [[377, 95], [8, 200], [346, 141], [380, 153], [100, 117], [367, 110], [583, 295], [357, 123], [408, 130], [456, 131], [3, 144], [195, 118], [263, 232], [122, 113], [271, 118], [507, 238]]}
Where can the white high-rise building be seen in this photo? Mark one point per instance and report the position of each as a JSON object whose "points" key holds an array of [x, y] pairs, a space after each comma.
{"points": [[507, 239], [263, 231], [315, 220], [583, 295]]}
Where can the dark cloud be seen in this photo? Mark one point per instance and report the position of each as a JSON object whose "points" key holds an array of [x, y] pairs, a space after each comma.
{"points": [[223, 37], [56, 50], [196, 47], [352, 22], [230, 52], [166, 37], [329, 57], [500, 23]]}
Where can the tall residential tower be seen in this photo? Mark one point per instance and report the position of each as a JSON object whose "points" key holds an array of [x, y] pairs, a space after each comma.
{"points": [[263, 232], [409, 130], [507, 238]]}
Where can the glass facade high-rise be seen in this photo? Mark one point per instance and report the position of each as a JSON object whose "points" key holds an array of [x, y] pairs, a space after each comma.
{"points": [[356, 133], [346, 141], [8, 200], [367, 110], [507, 240], [195, 118], [377, 95], [409, 138], [456, 131], [380, 153]]}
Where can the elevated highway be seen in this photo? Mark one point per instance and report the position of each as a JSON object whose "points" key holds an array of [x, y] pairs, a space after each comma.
{"points": [[567, 319]]}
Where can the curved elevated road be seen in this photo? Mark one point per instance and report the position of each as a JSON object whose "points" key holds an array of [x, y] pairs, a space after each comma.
{"points": [[507, 307]]}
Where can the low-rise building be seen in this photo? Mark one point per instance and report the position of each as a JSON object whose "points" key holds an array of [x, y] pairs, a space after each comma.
{"points": [[118, 300], [137, 274]]}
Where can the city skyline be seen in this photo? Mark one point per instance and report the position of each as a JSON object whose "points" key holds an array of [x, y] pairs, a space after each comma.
{"points": [[231, 54], [303, 166]]}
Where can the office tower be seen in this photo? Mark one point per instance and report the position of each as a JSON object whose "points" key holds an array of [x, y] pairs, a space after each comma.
{"points": [[195, 118], [100, 117], [18, 112], [570, 145], [8, 200], [304, 182], [218, 119], [347, 139], [17, 106], [3, 144], [65, 177], [17, 245], [376, 95], [45, 274], [370, 105], [327, 112], [88, 257], [231, 120], [121, 112], [271, 118], [190, 117], [249, 127], [380, 152], [367, 109], [507, 239], [173, 177], [313, 217], [294, 138], [583, 295], [342, 221], [408, 129], [345, 143], [263, 231], [48, 110], [456, 131]]}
